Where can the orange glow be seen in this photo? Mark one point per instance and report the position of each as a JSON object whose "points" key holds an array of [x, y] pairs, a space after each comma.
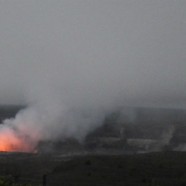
{"points": [[10, 142]]}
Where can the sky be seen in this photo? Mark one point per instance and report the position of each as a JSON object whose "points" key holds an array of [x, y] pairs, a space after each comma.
{"points": [[99, 53]]}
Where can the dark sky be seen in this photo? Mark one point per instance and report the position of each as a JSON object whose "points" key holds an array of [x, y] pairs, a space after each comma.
{"points": [[93, 52]]}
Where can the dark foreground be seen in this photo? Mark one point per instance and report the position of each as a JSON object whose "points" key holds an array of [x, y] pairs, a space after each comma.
{"points": [[152, 169]]}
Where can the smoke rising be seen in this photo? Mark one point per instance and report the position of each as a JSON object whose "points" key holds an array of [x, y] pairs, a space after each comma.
{"points": [[72, 62]]}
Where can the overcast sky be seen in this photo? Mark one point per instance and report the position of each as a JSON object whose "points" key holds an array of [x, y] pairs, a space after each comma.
{"points": [[131, 51]]}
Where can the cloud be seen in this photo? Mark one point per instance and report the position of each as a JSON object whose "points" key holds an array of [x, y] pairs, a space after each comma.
{"points": [[73, 61]]}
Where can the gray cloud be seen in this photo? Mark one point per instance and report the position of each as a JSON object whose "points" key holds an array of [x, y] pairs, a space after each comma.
{"points": [[66, 56], [113, 48]]}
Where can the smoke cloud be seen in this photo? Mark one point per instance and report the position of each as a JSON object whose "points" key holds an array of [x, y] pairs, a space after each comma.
{"points": [[71, 62]]}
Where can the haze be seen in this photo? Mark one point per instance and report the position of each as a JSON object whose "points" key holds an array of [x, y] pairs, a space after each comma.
{"points": [[62, 58], [98, 50]]}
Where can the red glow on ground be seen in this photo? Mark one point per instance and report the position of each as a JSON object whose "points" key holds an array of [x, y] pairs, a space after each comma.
{"points": [[10, 142]]}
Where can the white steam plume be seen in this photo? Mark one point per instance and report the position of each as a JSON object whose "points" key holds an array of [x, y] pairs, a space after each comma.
{"points": [[74, 61]]}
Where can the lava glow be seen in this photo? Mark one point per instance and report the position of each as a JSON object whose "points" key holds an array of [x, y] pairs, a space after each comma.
{"points": [[11, 142]]}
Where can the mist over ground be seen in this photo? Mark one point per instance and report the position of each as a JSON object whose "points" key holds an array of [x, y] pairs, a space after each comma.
{"points": [[72, 62]]}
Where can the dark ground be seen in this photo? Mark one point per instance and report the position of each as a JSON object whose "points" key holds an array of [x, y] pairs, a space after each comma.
{"points": [[154, 169]]}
